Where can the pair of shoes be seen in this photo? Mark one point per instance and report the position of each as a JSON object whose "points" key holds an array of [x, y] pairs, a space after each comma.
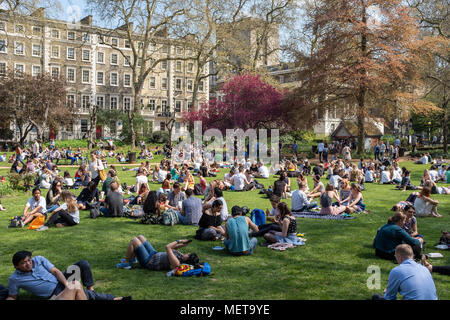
{"points": [[134, 260], [43, 228], [123, 265]]}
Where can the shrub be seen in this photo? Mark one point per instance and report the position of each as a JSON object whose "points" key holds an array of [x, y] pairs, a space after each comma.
{"points": [[18, 181], [159, 137], [14, 180], [5, 189]]}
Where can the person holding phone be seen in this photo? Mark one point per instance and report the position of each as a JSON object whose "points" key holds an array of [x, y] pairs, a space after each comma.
{"points": [[141, 251]]}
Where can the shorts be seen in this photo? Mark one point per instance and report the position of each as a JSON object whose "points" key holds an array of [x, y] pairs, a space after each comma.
{"points": [[144, 253]]}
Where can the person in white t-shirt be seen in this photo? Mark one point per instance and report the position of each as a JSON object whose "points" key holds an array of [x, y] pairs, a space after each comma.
{"points": [[369, 175], [35, 207], [162, 174], [396, 174], [95, 165], [141, 179], [385, 176], [67, 215], [263, 171], [239, 180], [433, 173]]}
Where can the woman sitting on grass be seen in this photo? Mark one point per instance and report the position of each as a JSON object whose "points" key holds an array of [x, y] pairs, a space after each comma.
{"points": [[67, 181], [344, 193], [89, 194], [67, 215], [141, 251], [391, 235], [424, 205], [210, 223], [288, 225], [163, 204], [54, 195], [406, 182], [318, 189], [410, 225], [326, 201], [354, 200]]}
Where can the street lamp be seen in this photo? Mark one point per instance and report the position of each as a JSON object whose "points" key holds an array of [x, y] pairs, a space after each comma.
{"points": [[429, 132]]}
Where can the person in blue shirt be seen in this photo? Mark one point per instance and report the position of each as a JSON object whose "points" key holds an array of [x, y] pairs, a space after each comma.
{"points": [[237, 240], [41, 278], [410, 279]]}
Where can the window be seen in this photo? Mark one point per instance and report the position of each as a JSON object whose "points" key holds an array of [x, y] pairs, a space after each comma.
{"points": [[70, 35], [126, 44], [178, 66], [70, 100], [19, 48], [189, 106], [55, 34], [190, 67], [179, 50], [164, 83], [3, 46], [114, 58], [162, 126], [86, 37], [164, 65], [70, 74], [114, 42], [100, 77], [84, 125], [126, 61], [86, 76], [164, 106], [85, 102], [113, 81], [19, 69], [36, 50], [2, 68], [2, 26], [189, 85], [200, 86], [126, 103], [55, 72], [86, 55], [70, 53], [113, 103], [127, 80], [69, 126], [37, 30], [152, 83], [100, 57], [55, 52], [152, 46], [178, 84], [100, 101], [151, 104], [177, 125], [139, 62], [112, 127], [35, 71], [178, 106], [165, 48], [18, 28], [189, 52]]}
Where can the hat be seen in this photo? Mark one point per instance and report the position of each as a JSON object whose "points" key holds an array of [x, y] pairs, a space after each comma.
{"points": [[306, 160]]}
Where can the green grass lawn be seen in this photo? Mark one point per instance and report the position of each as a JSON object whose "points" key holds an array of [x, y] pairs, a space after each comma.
{"points": [[332, 265]]}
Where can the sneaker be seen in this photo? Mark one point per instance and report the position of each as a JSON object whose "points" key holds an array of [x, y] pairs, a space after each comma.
{"points": [[134, 260], [123, 265], [21, 224], [43, 228]]}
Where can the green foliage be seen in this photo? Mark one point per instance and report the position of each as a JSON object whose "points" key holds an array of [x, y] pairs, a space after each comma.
{"points": [[74, 144], [159, 137], [287, 139], [5, 189], [304, 136], [14, 180], [435, 153], [21, 181]]}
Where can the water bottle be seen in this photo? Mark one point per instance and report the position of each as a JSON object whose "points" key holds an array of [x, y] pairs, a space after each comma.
{"points": [[170, 273]]}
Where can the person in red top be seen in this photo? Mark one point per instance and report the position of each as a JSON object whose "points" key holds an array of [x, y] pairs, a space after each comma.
{"points": [[203, 182]]}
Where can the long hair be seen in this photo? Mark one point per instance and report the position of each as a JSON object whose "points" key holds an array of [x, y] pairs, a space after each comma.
{"points": [[70, 200], [398, 216], [284, 210]]}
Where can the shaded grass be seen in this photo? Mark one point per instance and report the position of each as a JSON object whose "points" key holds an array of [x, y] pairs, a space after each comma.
{"points": [[332, 265]]}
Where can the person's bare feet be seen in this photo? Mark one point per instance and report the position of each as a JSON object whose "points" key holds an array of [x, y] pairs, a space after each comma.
{"points": [[426, 263], [59, 225]]}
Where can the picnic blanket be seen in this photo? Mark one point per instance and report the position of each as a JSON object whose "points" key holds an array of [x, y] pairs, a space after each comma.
{"points": [[316, 215]]}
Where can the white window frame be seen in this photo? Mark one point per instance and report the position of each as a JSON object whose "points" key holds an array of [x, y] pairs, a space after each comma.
{"points": [[110, 79], [179, 50], [15, 48], [124, 82], [152, 107], [164, 108], [74, 98], [82, 76], [5, 47], [32, 50], [4, 26], [167, 84], [103, 53], [181, 84], [18, 31], [74, 74], [82, 55], [126, 62], [100, 96], [150, 83], [74, 35], [74, 53], [59, 52], [103, 78], [202, 82], [6, 67], [178, 62], [187, 85], [83, 100], [164, 62], [55, 67], [112, 40], [86, 37], [51, 34], [32, 69], [190, 67], [36, 27], [117, 102], [181, 105], [81, 126], [123, 102], [19, 64], [111, 59], [125, 41]]}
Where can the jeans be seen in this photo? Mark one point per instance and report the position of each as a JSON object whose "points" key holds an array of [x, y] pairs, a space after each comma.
{"points": [[181, 218], [52, 208], [73, 159], [86, 279], [309, 206], [263, 229], [144, 253], [253, 244], [61, 217], [208, 234]]}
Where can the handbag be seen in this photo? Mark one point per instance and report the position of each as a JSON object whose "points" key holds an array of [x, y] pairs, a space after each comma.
{"points": [[37, 223], [102, 174]]}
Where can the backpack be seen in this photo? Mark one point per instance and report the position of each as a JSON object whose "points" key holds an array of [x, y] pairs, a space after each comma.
{"points": [[198, 190], [169, 217], [135, 212], [15, 222], [186, 270], [94, 211], [258, 217], [445, 238]]}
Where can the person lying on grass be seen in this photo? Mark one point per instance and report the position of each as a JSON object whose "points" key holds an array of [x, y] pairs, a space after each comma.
{"points": [[288, 225], [140, 251], [67, 215], [41, 278], [35, 207]]}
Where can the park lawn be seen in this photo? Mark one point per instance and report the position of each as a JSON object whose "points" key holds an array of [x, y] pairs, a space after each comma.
{"points": [[332, 265]]}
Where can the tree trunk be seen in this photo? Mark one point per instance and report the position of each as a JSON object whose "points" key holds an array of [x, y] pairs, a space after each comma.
{"points": [[362, 90], [445, 126], [132, 130]]}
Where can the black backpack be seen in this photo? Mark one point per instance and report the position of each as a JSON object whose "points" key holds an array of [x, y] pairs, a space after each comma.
{"points": [[198, 190]]}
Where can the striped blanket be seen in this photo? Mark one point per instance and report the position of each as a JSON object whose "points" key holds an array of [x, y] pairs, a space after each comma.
{"points": [[316, 215]]}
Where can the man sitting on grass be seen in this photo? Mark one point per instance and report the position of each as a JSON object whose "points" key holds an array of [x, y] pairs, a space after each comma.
{"points": [[113, 205], [41, 278], [412, 280], [35, 207]]}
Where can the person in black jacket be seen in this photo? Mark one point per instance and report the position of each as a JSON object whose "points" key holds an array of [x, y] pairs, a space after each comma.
{"points": [[88, 194]]}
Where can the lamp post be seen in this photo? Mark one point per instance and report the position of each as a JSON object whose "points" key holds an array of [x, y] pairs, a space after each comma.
{"points": [[429, 132]]}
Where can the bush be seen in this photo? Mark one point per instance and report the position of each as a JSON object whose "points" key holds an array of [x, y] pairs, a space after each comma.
{"points": [[435, 153], [159, 137], [5, 189], [80, 143], [21, 182]]}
